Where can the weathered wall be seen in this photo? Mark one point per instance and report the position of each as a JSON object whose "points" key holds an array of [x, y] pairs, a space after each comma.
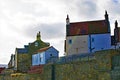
{"points": [[22, 64], [72, 46], [98, 69]]}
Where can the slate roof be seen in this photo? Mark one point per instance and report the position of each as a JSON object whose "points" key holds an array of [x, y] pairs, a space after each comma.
{"points": [[22, 50], [87, 27], [43, 49]]}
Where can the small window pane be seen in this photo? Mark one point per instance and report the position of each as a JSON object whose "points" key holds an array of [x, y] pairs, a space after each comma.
{"points": [[70, 41]]}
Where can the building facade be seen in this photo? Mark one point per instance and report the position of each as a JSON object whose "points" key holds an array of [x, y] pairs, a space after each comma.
{"points": [[88, 36], [43, 55], [21, 57], [36, 45], [22, 60]]}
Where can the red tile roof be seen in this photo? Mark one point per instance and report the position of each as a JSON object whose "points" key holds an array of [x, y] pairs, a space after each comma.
{"points": [[43, 49], [88, 27]]}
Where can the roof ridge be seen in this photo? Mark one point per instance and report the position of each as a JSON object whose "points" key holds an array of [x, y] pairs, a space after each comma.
{"points": [[88, 27], [43, 49], [87, 21]]}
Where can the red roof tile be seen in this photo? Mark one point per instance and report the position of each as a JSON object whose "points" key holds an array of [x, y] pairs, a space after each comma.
{"points": [[88, 27], [43, 49]]}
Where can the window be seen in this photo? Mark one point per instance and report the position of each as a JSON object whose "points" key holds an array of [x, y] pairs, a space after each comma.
{"points": [[92, 39], [36, 43], [70, 41], [40, 59], [51, 55]]}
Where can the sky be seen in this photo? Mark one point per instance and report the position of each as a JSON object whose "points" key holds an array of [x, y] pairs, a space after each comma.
{"points": [[20, 20]]}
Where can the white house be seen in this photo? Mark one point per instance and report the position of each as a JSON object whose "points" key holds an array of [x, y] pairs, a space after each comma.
{"points": [[87, 36]]}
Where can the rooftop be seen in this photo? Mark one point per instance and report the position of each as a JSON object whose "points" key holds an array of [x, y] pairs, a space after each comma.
{"points": [[87, 27]]}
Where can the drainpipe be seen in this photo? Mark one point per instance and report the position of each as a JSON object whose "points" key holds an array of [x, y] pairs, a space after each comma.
{"points": [[90, 44]]}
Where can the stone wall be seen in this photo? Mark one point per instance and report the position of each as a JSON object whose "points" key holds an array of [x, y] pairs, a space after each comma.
{"points": [[98, 69]]}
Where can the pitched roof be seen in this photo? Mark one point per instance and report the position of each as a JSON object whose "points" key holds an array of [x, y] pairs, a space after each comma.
{"points": [[43, 49], [87, 27]]}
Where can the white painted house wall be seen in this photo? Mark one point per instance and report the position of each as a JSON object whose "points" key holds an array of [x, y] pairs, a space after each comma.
{"points": [[87, 43], [76, 44]]}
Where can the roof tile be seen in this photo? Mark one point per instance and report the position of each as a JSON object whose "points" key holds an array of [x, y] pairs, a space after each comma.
{"points": [[88, 27]]}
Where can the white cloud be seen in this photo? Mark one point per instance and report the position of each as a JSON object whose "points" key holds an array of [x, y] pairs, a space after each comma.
{"points": [[20, 20]]}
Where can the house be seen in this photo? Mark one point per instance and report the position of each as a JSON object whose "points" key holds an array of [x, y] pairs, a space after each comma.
{"points": [[43, 55], [87, 36], [37, 44], [23, 56], [34, 46]]}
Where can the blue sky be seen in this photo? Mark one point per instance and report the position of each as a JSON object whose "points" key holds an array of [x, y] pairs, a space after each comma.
{"points": [[20, 20]]}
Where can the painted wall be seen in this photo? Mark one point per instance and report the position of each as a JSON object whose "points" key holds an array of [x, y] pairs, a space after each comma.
{"points": [[51, 53], [38, 58], [42, 57], [87, 43], [76, 44], [99, 42]]}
